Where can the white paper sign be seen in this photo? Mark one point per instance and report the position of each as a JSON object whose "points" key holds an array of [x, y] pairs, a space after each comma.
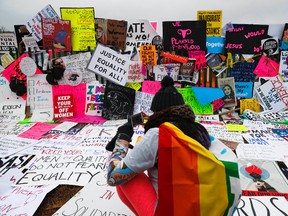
{"points": [[34, 25], [262, 205], [96, 198], [12, 144], [23, 200], [63, 169], [109, 64]]}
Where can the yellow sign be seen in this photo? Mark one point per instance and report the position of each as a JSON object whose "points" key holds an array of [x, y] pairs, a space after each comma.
{"points": [[249, 103], [236, 127], [214, 21], [82, 27]]}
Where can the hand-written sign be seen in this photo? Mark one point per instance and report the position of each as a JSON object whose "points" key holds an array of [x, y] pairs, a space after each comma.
{"points": [[143, 102], [14, 162], [261, 205], [71, 169], [63, 106], [94, 99], [135, 72], [109, 64], [96, 198], [139, 33], [148, 54], [82, 26], [23, 200], [266, 67], [34, 24], [191, 99], [116, 33]]}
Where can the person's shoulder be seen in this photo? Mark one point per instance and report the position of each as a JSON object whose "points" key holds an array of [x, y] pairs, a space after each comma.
{"points": [[153, 131]]}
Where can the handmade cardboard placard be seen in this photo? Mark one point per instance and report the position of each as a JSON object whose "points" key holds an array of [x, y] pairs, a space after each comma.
{"points": [[109, 64]]}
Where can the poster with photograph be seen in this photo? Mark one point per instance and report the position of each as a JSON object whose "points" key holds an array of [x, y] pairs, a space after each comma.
{"points": [[227, 84]]}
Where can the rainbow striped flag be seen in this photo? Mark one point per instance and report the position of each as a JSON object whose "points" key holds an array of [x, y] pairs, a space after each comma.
{"points": [[191, 180]]}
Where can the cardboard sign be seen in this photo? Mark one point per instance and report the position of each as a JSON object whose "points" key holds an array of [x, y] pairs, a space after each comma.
{"points": [[244, 89], [116, 33], [63, 106], [135, 72], [228, 86], [109, 64]]}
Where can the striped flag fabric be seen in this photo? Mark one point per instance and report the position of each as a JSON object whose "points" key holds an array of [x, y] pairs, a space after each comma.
{"points": [[191, 180]]}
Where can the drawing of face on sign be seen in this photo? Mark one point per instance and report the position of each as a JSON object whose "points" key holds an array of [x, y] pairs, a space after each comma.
{"points": [[73, 77], [119, 105]]}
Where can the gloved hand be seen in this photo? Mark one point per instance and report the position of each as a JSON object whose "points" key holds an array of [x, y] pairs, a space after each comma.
{"points": [[123, 132]]}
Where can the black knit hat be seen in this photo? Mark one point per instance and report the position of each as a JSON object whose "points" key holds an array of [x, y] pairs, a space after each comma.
{"points": [[166, 96]]}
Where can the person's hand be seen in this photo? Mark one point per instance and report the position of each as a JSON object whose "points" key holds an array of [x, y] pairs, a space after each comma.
{"points": [[123, 132]]}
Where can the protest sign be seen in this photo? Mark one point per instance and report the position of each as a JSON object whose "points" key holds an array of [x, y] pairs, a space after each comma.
{"points": [[62, 169], [23, 200], [56, 33], [8, 42], [272, 95], [213, 19], [261, 205], [34, 24], [143, 103], [139, 32], [96, 198], [63, 106], [82, 27], [94, 99], [109, 64]]}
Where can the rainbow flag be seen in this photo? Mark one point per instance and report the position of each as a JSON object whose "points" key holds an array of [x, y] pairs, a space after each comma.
{"points": [[191, 180]]}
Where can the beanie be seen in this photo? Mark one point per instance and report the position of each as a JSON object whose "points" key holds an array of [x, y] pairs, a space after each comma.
{"points": [[166, 96]]}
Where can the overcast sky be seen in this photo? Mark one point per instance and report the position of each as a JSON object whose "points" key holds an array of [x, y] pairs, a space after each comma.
{"points": [[15, 12]]}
